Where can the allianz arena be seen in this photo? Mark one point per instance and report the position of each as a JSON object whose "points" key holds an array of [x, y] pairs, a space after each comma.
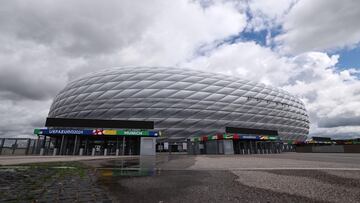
{"points": [[182, 103]]}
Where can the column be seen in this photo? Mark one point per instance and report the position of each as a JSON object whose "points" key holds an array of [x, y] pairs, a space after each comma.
{"points": [[61, 152], [93, 151], [256, 147], [123, 146], [2, 144], [14, 147], [27, 147], [48, 147], [75, 143], [250, 147], [117, 146], [42, 149], [86, 146]]}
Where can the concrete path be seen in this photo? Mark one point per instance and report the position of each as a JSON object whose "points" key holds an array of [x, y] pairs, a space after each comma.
{"points": [[305, 161], [286, 177], [15, 160]]}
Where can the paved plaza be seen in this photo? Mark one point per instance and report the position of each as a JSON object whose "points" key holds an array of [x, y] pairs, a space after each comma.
{"points": [[287, 177]]}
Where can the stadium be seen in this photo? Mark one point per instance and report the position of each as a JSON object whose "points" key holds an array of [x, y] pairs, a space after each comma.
{"points": [[211, 112]]}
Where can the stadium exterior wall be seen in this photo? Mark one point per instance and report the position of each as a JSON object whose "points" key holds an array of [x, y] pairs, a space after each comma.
{"points": [[182, 103]]}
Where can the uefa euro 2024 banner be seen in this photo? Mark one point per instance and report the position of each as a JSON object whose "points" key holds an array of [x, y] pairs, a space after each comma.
{"points": [[144, 133]]}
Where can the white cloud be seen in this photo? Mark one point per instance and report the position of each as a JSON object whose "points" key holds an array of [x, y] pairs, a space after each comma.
{"points": [[248, 60], [332, 97], [329, 95], [320, 25], [180, 29]]}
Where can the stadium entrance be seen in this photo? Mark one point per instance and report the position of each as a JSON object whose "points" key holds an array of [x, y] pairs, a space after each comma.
{"points": [[76, 137], [237, 141]]}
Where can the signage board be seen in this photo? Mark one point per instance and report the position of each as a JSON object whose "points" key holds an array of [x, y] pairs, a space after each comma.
{"points": [[141, 133], [166, 145], [62, 132], [235, 137], [249, 137]]}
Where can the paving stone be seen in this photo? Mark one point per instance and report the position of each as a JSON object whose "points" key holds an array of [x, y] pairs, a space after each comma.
{"points": [[46, 184]]}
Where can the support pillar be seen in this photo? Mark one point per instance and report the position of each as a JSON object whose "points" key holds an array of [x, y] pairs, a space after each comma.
{"points": [[256, 147], [86, 146], [42, 149], [123, 146], [48, 146], [27, 147], [2, 144], [37, 145], [242, 148], [263, 151], [251, 147], [62, 145], [75, 143], [14, 147], [42, 152], [117, 146]]}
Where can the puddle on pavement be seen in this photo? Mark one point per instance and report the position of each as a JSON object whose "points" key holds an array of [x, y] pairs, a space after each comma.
{"points": [[143, 166]]}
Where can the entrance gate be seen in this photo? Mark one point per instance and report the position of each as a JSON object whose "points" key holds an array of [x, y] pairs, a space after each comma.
{"points": [[92, 142], [256, 147]]}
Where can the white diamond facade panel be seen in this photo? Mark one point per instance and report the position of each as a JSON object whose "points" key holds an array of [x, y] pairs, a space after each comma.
{"points": [[181, 102]]}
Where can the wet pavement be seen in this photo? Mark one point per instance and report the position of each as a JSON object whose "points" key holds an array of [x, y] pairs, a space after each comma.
{"points": [[287, 177], [54, 182]]}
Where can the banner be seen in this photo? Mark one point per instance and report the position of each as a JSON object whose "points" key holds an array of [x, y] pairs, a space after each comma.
{"points": [[235, 137], [96, 132], [62, 132]]}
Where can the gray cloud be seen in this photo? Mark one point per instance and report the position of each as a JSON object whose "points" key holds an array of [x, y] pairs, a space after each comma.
{"points": [[26, 86], [81, 28], [337, 135], [44, 44], [20, 117], [339, 121]]}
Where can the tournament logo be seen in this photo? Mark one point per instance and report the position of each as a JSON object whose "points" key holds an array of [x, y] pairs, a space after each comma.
{"points": [[98, 132]]}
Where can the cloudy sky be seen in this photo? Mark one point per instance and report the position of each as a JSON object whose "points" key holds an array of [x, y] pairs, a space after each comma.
{"points": [[310, 48]]}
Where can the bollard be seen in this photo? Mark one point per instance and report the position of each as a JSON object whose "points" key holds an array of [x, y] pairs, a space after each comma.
{"points": [[81, 151], [93, 152], [105, 152], [42, 152], [117, 152], [55, 151]]}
